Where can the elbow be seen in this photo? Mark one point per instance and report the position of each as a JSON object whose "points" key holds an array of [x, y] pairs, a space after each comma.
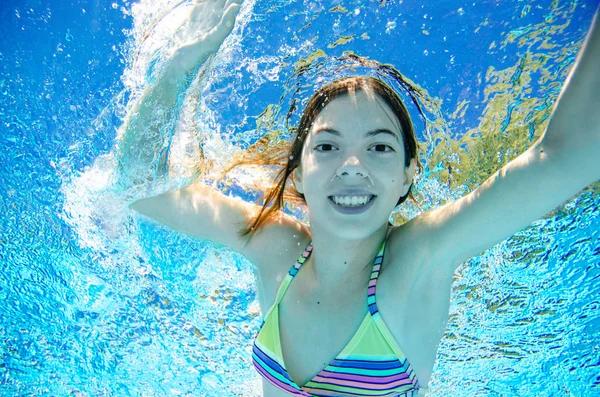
{"points": [[144, 207], [134, 206], [139, 207], [159, 207], [576, 153]]}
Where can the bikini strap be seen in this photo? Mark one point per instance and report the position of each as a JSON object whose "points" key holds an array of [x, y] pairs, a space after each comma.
{"points": [[292, 273], [371, 300]]}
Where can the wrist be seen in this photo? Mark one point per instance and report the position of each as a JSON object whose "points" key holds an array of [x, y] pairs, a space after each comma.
{"points": [[184, 60]]}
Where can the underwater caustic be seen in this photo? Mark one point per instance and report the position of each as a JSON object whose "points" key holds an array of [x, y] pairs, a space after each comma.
{"points": [[337, 199]]}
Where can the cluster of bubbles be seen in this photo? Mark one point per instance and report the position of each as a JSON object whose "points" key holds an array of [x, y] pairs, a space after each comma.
{"points": [[207, 306]]}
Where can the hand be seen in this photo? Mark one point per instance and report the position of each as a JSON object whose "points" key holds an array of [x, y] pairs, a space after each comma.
{"points": [[214, 19], [209, 23]]}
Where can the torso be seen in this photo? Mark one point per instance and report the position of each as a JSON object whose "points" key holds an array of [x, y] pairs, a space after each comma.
{"points": [[412, 301]]}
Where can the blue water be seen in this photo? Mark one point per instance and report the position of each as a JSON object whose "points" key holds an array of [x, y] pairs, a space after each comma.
{"points": [[97, 302]]}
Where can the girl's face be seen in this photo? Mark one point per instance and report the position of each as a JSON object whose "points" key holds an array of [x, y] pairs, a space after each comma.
{"points": [[353, 151]]}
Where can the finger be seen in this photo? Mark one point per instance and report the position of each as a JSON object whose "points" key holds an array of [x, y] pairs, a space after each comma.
{"points": [[230, 14], [227, 21], [230, 2]]}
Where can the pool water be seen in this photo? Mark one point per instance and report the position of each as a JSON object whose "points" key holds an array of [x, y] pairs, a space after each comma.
{"points": [[96, 301]]}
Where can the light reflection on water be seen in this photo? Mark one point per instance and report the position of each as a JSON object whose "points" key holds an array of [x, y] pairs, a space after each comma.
{"points": [[96, 302]]}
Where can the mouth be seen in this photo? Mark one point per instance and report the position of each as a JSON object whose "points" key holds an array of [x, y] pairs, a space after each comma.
{"points": [[352, 201], [351, 205]]}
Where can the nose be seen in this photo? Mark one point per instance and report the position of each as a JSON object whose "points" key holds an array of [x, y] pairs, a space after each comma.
{"points": [[352, 169]]}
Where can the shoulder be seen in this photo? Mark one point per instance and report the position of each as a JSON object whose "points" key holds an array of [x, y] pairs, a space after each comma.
{"points": [[404, 259], [413, 295], [278, 242], [277, 247], [414, 257]]}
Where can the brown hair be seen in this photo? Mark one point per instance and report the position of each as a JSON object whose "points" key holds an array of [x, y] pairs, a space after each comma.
{"points": [[274, 200]]}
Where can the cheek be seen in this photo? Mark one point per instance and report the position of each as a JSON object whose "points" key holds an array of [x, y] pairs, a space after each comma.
{"points": [[307, 159], [391, 172], [315, 166], [393, 177]]}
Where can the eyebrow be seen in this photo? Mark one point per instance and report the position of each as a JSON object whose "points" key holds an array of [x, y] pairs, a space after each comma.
{"points": [[368, 134]]}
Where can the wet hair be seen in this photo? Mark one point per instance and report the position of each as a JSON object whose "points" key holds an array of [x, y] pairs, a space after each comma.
{"points": [[274, 199]]}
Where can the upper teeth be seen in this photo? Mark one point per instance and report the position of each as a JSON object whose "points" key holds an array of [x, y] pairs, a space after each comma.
{"points": [[351, 200]]}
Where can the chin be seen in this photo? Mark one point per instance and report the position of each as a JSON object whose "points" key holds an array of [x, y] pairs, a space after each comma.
{"points": [[353, 230]]}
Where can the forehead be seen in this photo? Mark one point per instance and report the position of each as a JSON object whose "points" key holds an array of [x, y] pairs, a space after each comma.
{"points": [[357, 111]]}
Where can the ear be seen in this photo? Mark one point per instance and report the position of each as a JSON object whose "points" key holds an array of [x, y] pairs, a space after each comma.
{"points": [[409, 173], [297, 179]]}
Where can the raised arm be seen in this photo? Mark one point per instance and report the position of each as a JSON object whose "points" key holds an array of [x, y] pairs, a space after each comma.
{"points": [[143, 138], [196, 210], [561, 163]]}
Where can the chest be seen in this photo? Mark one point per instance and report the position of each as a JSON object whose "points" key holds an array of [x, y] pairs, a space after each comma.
{"points": [[315, 329]]}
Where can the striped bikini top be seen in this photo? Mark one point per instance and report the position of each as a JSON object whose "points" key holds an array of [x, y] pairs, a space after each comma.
{"points": [[371, 364]]}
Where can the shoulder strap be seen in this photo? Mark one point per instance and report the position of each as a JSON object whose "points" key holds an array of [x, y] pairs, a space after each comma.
{"points": [[292, 273], [371, 299]]}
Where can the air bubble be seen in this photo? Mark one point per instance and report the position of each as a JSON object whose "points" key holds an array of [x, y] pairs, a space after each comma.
{"points": [[391, 25]]}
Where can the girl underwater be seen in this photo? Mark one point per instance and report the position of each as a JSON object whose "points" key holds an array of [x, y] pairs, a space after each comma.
{"points": [[351, 304]]}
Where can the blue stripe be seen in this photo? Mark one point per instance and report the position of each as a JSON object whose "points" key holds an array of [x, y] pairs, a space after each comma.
{"points": [[361, 364], [373, 379], [373, 308], [274, 365]]}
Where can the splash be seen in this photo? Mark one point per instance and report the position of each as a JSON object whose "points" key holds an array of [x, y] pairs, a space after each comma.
{"points": [[196, 305]]}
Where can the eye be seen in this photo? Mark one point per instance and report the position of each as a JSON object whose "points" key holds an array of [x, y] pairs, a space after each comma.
{"points": [[381, 148], [327, 147]]}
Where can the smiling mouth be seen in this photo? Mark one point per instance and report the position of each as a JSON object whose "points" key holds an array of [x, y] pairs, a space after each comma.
{"points": [[352, 201]]}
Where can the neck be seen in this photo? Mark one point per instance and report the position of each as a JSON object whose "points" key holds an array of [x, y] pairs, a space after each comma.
{"points": [[336, 261]]}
